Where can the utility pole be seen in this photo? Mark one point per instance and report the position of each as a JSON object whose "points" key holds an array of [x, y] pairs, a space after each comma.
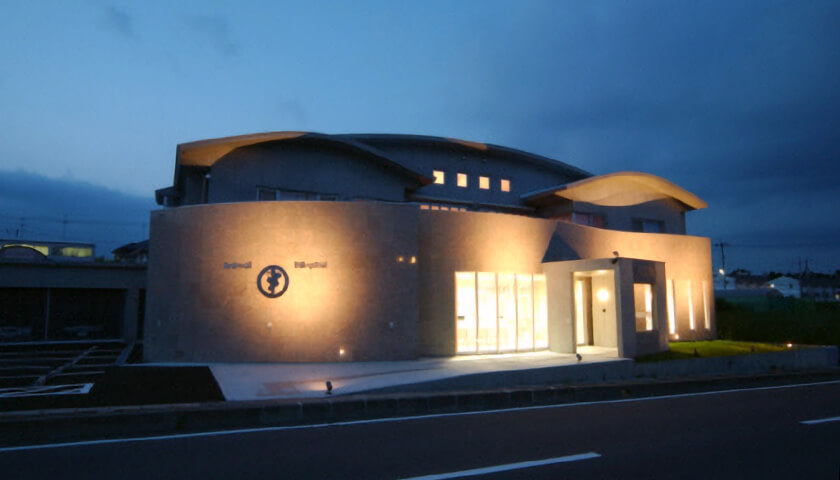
{"points": [[722, 244]]}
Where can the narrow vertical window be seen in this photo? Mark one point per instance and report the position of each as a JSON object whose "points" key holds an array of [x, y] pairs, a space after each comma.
{"points": [[487, 312], [643, 297], [484, 183], [707, 321], [462, 180], [465, 312], [690, 306], [439, 177], [505, 185], [672, 313], [540, 313]]}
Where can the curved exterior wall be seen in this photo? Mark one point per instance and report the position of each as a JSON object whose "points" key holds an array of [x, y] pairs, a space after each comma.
{"points": [[470, 242], [363, 301]]}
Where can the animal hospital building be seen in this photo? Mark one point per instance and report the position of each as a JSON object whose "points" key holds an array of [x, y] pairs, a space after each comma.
{"points": [[305, 247]]}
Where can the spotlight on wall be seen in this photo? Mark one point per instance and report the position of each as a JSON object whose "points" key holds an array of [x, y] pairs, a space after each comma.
{"points": [[341, 352], [790, 345], [413, 259], [615, 254], [329, 388], [400, 259], [676, 336], [603, 295]]}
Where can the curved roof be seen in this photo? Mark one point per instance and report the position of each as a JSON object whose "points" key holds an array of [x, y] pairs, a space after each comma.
{"points": [[204, 153], [620, 189], [470, 145]]}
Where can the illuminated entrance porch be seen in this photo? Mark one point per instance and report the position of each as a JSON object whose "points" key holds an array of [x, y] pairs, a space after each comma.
{"points": [[500, 312]]}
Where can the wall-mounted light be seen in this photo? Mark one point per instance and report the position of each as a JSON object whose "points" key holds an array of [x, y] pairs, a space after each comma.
{"points": [[413, 259], [400, 259], [603, 295], [676, 336], [341, 352]]}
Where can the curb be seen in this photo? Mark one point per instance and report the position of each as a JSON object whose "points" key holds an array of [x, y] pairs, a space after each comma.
{"points": [[51, 426]]}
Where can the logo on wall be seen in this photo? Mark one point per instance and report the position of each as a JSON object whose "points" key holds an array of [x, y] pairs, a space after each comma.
{"points": [[272, 281]]}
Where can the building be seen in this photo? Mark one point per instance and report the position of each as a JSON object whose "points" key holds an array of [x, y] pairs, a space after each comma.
{"points": [[292, 246], [821, 289], [55, 291], [787, 286]]}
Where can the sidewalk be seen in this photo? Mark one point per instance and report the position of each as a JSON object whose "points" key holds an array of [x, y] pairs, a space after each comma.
{"points": [[263, 381]]}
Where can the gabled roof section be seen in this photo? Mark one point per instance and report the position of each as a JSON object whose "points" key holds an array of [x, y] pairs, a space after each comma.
{"points": [[204, 153], [618, 189]]}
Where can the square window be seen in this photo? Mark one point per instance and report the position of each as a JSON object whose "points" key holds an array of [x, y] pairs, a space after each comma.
{"points": [[439, 177], [462, 180], [484, 183], [505, 185]]}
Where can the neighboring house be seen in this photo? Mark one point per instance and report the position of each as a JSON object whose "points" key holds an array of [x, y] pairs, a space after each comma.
{"points": [[787, 286], [137, 252], [821, 289], [292, 246]]}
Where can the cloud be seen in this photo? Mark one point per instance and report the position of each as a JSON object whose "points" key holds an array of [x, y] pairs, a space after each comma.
{"points": [[736, 101], [215, 30], [35, 207], [118, 21]]}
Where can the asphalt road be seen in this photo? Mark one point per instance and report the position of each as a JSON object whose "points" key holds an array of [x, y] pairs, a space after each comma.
{"points": [[745, 434]]}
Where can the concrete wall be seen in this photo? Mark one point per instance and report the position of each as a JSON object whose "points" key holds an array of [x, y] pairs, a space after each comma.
{"points": [[686, 258], [363, 300], [452, 242]]}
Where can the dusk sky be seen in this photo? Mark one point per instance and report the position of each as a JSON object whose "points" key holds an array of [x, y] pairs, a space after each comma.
{"points": [[737, 102]]}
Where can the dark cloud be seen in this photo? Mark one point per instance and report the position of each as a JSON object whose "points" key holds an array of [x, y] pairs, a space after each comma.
{"points": [[34, 207], [118, 21], [215, 31], [736, 101]]}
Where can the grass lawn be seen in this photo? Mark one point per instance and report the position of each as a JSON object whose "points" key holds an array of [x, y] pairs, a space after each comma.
{"points": [[711, 348]]}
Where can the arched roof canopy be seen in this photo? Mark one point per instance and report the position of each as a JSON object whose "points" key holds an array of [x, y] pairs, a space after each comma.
{"points": [[620, 189], [205, 153]]}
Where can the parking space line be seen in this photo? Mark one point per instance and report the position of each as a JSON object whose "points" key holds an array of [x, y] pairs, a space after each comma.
{"points": [[820, 420], [507, 467]]}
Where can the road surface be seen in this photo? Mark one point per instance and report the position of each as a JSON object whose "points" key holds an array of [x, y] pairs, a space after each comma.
{"points": [[755, 433]]}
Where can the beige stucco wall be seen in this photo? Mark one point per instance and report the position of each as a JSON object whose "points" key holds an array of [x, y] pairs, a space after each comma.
{"points": [[198, 310], [686, 258], [452, 242]]}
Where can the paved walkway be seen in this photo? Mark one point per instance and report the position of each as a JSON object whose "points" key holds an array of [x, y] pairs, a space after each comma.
{"points": [[262, 381]]}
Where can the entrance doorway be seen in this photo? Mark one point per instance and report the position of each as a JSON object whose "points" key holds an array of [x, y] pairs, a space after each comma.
{"points": [[595, 312]]}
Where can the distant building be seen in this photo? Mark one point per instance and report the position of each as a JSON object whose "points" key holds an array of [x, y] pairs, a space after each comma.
{"points": [[55, 291], [821, 289], [292, 246], [137, 252], [64, 251], [787, 286]]}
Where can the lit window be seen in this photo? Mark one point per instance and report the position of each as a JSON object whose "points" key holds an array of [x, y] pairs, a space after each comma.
{"points": [[424, 207], [439, 177], [484, 183], [672, 319], [462, 180], [505, 185], [690, 306], [643, 297]]}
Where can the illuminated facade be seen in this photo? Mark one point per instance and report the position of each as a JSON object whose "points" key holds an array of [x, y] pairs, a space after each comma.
{"points": [[294, 246]]}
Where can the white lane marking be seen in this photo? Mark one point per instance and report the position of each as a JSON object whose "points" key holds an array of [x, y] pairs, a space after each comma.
{"points": [[399, 419], [507, 467], [821, 420]]}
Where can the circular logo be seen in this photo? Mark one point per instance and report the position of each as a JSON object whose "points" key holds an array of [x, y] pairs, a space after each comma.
{"points": [[272, 281]]}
